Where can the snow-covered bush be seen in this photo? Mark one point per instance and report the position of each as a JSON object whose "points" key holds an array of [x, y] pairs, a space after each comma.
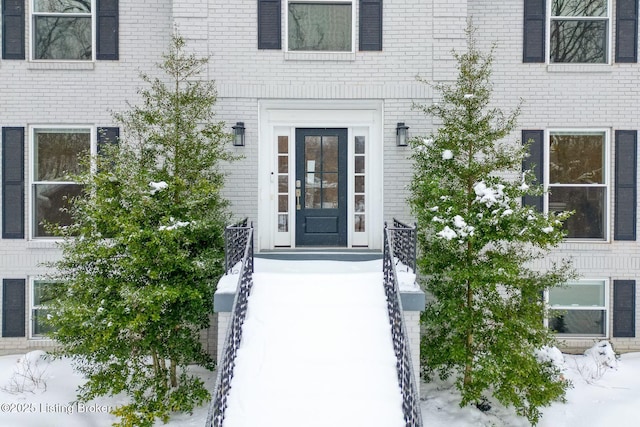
{"points": [[597, 360]]}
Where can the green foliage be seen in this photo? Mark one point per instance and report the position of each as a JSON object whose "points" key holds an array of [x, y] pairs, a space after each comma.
{"points": [[476, 245], [141, 261]]}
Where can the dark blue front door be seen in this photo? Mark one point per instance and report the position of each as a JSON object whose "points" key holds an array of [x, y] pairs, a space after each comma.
{"points": [[321, 187]]}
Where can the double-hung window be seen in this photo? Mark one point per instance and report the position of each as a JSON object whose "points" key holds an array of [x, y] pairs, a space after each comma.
{"points": [[320, 25], [578, 181], [62, 29], [579, 309], [56, 158], [40, 295], [579, 31]]}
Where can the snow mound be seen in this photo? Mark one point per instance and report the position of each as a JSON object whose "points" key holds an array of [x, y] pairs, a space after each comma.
{"points": [[551, 355]]}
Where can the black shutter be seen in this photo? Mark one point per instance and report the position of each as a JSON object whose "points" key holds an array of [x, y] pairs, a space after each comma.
{"points": [[13, 311], [13, 39], [535, 160], [107, 136], [627, 31], [533, 40], [269, 18], [13, 183], [624, 308], [370, 31], [624, 217], [107, 30]]}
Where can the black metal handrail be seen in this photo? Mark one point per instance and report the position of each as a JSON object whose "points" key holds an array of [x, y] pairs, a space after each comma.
{"points": [[404, 367], [403, 241], [238, 234], [235, 240]]}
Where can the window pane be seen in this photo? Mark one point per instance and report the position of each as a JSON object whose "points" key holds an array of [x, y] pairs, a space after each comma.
{"points": [[319, 26], [579, 8], [589, 206], [312, 192], [359, 223], [576, 159], [283, 164], [50, 204], [359, 181], [359, 203], [584, 294], [283, 184], [359, 164], [578, 322], [312, 153], [42, 292], [359, 149], [330, 154], [330, 191], [283, 203], [283, 145], [283, 223], [578, 41], [58, 152], [60, 37], [63, 6], [39, 325]]}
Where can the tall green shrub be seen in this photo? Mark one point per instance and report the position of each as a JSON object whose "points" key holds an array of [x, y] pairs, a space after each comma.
{"points": [[140, 263], [477, 242]]}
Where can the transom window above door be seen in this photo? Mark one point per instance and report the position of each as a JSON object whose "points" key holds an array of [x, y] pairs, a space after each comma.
{"points": [[325, 26], [62, 29]]}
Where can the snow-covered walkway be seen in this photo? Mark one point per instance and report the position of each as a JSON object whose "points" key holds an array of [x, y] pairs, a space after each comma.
{"points": [[317, 351]]}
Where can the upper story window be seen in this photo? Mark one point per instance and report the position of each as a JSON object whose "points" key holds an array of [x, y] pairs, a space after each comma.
{"points": [[320, 26], [56, 156], [62, 29], [325, 26], [579, 31], [578, 181]]}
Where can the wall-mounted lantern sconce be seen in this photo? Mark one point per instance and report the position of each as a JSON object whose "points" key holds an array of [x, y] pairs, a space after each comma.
{"points": [[238, 134], [402, 136]]}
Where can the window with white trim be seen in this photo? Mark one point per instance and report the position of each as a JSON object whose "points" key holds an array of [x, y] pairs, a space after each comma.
{"points": [[62, 29], [56, 154], [578, 181], [40, 295], [579, 31], [320, 25], [579, 309]]}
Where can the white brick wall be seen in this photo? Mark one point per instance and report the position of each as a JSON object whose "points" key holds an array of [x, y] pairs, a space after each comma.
{"points": [[417, 40], [75, 94], [572, 97]]}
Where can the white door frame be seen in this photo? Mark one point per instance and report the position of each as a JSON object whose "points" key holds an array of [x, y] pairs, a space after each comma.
{"points": [[281, 118]]}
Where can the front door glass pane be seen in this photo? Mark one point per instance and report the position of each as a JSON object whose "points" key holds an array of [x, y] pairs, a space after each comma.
{"points": [[329, 154]]}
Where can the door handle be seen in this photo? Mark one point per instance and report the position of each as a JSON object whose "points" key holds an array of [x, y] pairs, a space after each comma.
{"points": [[298, 193]]}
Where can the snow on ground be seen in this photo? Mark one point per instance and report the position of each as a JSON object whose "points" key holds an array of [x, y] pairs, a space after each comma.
{"points": [[606, 391], [320, 348]]}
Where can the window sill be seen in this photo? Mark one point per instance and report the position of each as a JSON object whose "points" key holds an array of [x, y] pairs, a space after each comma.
{"points": [[61, 65], [579, 68], [43, 244], [319, 56]]}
